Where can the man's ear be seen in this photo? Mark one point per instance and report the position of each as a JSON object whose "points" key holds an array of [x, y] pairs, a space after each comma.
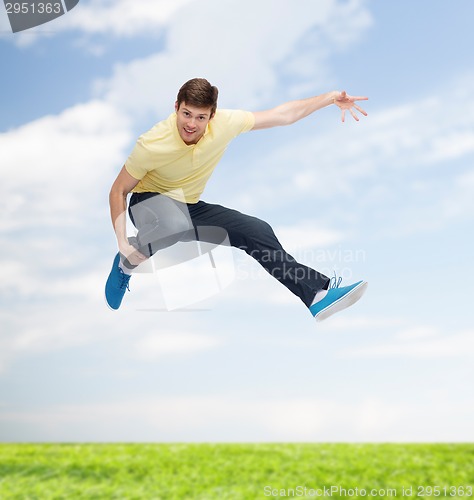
{"points": [[176, 107], [212, 116]]}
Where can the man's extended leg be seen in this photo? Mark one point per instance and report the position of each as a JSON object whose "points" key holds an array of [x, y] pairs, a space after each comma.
{"points": [[257, 238]]}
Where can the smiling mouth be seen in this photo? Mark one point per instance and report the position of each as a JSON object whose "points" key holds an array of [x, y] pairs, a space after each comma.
{"points": [[189, 131]]}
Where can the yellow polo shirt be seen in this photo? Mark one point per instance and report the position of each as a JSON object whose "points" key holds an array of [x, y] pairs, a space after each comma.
{"points": [[164, 163]]}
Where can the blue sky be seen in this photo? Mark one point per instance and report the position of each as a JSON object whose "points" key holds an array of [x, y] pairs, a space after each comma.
{"points": [[388, 199]]}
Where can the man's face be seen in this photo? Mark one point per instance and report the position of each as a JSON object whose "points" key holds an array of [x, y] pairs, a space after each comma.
{"points": [[192, 122]]}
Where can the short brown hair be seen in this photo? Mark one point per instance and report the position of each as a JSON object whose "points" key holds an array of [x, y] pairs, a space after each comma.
{"points": [[200, 93]]}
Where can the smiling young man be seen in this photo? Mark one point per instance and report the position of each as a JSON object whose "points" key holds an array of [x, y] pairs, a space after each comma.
{"points": [[167, 172]]}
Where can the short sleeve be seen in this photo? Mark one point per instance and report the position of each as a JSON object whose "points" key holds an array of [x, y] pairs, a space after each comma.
{"points": [[136, 164], [236, 121], [248, 119]]}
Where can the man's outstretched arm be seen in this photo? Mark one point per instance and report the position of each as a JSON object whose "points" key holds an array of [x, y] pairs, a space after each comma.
{"points": [[292, 111]]}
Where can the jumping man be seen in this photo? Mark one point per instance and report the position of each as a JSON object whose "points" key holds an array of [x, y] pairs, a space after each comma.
{"points": [[167, 172]]}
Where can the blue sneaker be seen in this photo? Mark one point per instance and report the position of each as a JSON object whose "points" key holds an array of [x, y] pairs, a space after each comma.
{"points": [[338, 298], [117, 283]]}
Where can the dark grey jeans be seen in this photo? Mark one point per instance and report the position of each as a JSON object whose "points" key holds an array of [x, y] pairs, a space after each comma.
{"points": [[162, 221]]}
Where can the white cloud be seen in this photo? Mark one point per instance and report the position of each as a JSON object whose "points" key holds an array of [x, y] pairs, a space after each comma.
{"points": [[160, 345], [417, 332], [25, 278], [458, 202], [118, 18], [339, 23], [75, 314], [49, 166], [122, 17], [239, 419], [420, 342], [45, 329], [451, 146], [53, 172], [56, 174], [366, 323], [306, 235]]}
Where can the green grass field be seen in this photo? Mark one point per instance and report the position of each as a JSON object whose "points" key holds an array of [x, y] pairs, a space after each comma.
{"points": [[236, 471]]}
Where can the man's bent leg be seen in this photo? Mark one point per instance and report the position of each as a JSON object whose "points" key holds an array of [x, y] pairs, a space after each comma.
{"points": [[160, 221]]}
